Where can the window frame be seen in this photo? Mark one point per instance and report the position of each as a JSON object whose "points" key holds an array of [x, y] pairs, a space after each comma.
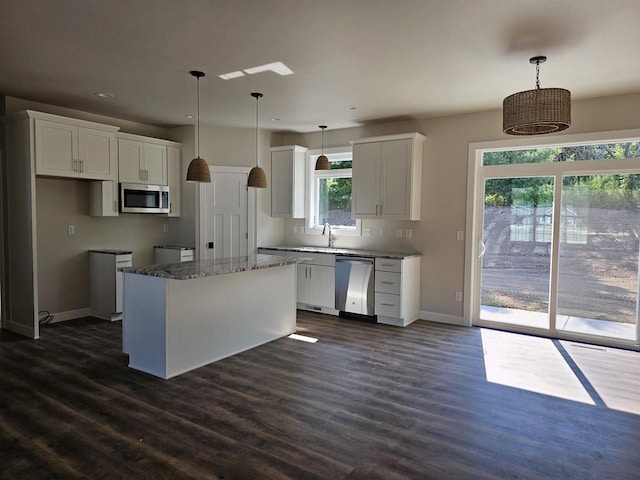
{"points": [[335, 154]]}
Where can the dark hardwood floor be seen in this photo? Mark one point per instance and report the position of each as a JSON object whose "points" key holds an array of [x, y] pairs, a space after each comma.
{"points": [[365, 402]]}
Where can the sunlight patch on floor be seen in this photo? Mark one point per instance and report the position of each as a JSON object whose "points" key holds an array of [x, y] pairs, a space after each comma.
{"points": [[303, 338], [614, 374], [530, 363]]}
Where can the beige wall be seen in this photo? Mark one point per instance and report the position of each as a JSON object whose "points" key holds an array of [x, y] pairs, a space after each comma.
{"points": [[444, 194], [63, 260]]}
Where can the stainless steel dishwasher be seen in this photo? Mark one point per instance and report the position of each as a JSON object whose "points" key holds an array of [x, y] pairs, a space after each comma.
{"points": [[354, 285]]}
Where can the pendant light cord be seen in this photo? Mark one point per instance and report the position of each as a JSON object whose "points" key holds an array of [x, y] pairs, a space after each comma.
{"points": [[322, 149], [538, 75], [257, 110], [198, 116]]}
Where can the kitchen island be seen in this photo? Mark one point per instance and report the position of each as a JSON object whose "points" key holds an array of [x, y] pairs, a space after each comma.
{"points": [[181, 316]]}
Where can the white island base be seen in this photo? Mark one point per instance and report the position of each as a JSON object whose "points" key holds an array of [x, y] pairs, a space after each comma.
{"points": [[171, 326]]}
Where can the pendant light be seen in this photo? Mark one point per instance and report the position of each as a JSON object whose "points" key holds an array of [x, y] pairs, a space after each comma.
{"points": [[198, 170], [322, 163], [538, 111], [257, 177]]}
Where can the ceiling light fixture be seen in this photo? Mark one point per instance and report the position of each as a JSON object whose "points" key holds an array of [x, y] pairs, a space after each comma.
{"points": [[231, 75], [198, 170], [275, 67], [104, 95], [322, 163], [257, 177], [538, 111]]}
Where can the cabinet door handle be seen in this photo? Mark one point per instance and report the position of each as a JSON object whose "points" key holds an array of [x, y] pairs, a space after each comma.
{"points": [[388, 283], [115, 205], [310, 270], [389, 304], [81, 166], [381, 209], [377, 209], [75, 165]]}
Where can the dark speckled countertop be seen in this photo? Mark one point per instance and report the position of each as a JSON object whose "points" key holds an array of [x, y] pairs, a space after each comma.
{"points": [[348, 252]]}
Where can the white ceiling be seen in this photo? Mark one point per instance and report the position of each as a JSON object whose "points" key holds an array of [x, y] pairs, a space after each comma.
{"points": [[391, 59]]}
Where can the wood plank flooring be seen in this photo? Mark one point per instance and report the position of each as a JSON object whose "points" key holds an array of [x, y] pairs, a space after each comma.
{"points": [[365, 402]]}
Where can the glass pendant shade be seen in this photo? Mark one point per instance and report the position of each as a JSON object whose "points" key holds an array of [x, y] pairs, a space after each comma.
{"points": [[198, 170], [538, 111], [322, 163], [257, 177]]}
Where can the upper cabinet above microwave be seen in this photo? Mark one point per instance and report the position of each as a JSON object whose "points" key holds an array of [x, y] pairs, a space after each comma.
{"points": [[143, 159], [387, 177], [65, 147]]}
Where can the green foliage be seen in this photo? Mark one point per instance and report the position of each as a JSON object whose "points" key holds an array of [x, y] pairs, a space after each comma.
{"points": [[611, 191]]}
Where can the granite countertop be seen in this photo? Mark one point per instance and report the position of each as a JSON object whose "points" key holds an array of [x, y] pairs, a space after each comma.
{"points": [[347, 252], [174, 247], [111, 252], [209, 268]]}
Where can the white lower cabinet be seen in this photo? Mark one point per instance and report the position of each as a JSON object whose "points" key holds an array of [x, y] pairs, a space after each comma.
{"points": [[107, 282], [316, 286], [397, 290]]}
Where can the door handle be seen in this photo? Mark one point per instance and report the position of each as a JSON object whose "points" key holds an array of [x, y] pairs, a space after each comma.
{"points": [[81, 166], [482, 247]]}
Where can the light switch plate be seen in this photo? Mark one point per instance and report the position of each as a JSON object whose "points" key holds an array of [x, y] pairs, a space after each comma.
{"points": [[460, 235], [408, 233], [382, 232], [165, 227], [398, 232], [295, 229], [71, 229], [366, 232], [301, 229]]}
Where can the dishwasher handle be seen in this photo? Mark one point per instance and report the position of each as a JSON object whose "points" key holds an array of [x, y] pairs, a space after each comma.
{"points": [[355, 260]]}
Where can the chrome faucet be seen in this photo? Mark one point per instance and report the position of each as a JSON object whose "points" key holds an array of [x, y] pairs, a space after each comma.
{"points": [[332, 239]]}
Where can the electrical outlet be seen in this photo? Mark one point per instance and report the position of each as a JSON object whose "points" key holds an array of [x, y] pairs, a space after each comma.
{"points": [[295, 229], [71, 229], [398, 232], [460, 235], [458, 296], [165, 227], [408, 233], [382, 232], [366, 232]]}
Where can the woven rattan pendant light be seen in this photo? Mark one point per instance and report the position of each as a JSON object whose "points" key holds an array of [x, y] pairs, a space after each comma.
{"points": [[198, 170], [322, 163], [538, 111], [257, 177]]}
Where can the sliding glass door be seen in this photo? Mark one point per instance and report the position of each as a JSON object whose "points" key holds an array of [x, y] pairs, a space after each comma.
{"points": [[556, 246], [598, 256], [516, 250]]}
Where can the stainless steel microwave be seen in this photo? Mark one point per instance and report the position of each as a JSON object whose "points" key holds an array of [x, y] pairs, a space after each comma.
{"points": [[140, 198]]}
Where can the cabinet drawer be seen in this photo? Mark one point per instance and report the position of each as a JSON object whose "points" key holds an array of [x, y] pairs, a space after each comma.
{"points": [[388, 305], [389, 265], [388, 282], [124, 260], [186, 255]]}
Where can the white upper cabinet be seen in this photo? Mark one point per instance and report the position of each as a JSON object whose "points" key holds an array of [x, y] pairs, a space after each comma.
{"points": [[287, 181], [66, 147], [387, 177], [174, 179], [142, 159]]}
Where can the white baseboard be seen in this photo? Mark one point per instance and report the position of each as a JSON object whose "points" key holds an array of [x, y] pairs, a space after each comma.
{"points": [[443, 318], [71, 315]]}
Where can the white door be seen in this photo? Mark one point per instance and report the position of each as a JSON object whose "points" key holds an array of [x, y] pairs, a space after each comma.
{"points": [[225, 215]]}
